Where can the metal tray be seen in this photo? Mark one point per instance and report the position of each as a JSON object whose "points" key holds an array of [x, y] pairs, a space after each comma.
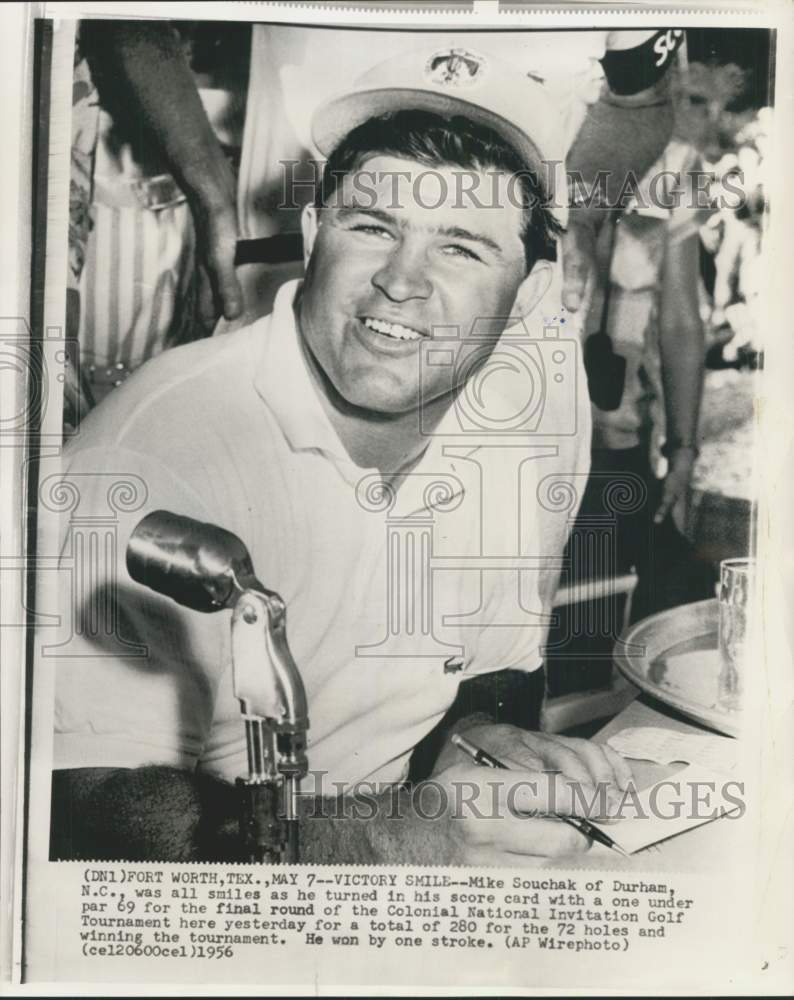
{"points": [[673, 656]]}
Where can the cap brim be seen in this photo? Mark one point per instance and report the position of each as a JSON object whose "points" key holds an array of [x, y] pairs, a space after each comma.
{"points": [[339, 116]]}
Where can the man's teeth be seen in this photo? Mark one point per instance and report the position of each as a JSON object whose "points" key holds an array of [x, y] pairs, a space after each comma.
{"points": [[396, 330]]}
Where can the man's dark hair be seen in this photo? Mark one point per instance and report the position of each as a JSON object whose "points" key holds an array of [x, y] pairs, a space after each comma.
{"points": [[437, 141]]}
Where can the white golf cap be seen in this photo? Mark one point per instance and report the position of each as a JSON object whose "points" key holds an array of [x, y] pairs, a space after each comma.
{"points": [[457, 81]]}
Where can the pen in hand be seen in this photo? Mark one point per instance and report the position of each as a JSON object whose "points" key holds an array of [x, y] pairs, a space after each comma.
{"points": [[482, 757]]}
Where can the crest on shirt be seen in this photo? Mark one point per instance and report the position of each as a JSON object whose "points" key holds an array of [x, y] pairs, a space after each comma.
{"points": [[455, 68]]}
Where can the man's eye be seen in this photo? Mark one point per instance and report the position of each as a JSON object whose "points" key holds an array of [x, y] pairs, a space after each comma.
{"points": [[372, 231], [456, 250]]}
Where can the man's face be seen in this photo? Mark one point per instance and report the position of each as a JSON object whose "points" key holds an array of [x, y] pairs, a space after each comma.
{"points": [[399, 258]]}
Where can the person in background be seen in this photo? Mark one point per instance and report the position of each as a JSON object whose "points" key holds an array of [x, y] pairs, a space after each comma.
{"points": [[646, 348], [156, 122], [737, 256]]}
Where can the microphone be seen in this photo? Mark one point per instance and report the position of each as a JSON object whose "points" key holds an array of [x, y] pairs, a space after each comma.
{"points": [[199, 565]]}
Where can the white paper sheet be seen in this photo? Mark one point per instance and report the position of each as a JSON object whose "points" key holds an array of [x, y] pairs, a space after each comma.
{"points": [[689, 798], [666, 746]]}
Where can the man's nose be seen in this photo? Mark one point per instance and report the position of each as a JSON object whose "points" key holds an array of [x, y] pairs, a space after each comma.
{"points": [[403, 275]]}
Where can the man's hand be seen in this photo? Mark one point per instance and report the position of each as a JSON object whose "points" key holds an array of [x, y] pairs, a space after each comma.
{"points": [[220, 293], [676, 482], [577, 760], [494, 817]]}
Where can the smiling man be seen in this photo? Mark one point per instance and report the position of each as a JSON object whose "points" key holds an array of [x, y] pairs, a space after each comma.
{"points": [[430, 241]]}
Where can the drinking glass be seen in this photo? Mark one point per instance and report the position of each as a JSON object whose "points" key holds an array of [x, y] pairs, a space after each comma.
{"points": [[737, 579]]}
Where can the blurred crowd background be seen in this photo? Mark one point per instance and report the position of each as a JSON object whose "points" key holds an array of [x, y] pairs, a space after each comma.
{"points": [[731, 74]]}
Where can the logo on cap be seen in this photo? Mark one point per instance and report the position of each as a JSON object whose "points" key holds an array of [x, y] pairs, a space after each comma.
{"points": [[455, 68]]}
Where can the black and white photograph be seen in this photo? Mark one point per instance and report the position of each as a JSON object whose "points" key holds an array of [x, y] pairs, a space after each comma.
{"points": [[394, 530]]}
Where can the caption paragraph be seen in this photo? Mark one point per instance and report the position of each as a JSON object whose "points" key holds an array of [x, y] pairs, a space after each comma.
{"points": [[170, 912]]}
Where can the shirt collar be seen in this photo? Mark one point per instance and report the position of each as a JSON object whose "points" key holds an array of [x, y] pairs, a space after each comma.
{"points": [[283, 381]]}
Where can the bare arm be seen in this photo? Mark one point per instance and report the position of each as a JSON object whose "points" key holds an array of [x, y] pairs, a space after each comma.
{"points": [[145, 814], [141, 72], [168, 814], [464, 815], [682, 347]]}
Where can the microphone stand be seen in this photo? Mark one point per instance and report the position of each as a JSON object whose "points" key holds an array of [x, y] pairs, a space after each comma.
{"points": [[207, 568]]}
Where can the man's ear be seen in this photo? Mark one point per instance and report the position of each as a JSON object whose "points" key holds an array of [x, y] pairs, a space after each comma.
{"points": [[533, 288], [310, 223]]}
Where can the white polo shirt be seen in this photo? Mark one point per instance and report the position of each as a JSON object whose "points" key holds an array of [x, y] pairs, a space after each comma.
{"points": [[230, 431]]}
